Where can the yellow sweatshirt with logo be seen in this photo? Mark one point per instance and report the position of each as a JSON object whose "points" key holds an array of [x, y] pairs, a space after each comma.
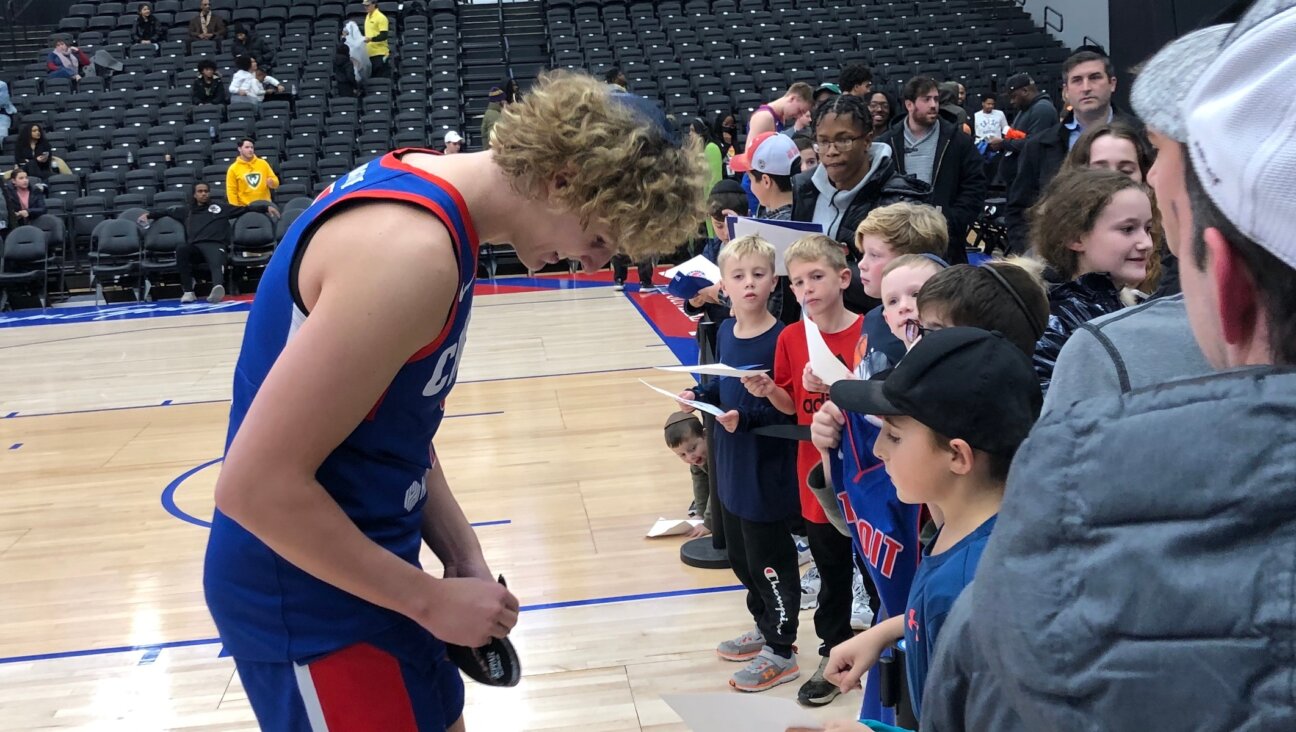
{"points": [[246, 182]]}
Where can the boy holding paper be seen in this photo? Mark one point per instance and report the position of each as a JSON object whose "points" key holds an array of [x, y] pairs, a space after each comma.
{"points": [[754, 474], [817, 268]]}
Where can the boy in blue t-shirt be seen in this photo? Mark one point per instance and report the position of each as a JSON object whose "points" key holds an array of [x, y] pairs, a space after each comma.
{"points": [[953, 413], [755, 475]]}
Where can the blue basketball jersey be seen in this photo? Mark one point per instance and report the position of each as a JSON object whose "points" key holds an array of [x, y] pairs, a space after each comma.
{"points": [[265, 608]]}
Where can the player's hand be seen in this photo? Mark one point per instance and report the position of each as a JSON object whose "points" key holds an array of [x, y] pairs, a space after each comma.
{"points": [[826, 427], [849, 661], [469, 611], [690, 396], [994, 143], [812, 383], [760, 385], [706, 295], [729, 420], [698, 531], [142, 220]]}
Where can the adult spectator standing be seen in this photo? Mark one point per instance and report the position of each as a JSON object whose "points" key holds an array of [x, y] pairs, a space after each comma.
{"points": [[7, 111], [453, 143], [249, 178], [246, 43], [146, 31], [376, 31], [207, 235], [66, 61], [209, 87], [206, 25], [989, 123], [1090, 82], [1035, 116], [1023, 649], [881, 106], [950, 106], [33, 153], [941, 155], [855, 175], [25, 202], [495, 105], [245, 88], [824, 92], [856, 80]]}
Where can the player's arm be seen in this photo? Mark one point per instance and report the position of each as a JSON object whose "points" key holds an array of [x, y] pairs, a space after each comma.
{"points": [[447, 532], [370, 309], [762, 121]]}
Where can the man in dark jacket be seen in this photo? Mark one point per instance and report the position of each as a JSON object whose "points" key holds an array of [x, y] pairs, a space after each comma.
{"points": [[1090, 83], [1035, 115], [207, 233], [1137, 577], [854, 176], [943, 156], [209, 88]]}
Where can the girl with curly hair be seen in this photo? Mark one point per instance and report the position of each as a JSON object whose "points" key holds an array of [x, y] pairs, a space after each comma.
{"points": [[330, 483]]}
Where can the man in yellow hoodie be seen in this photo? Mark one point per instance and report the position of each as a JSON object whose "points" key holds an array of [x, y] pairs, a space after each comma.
{"points": [[249, 178]]}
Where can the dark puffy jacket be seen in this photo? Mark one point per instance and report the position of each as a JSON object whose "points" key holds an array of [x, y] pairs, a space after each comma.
{"points": [[1071, 305], [958, 184], [1140, 574], [215, 91], [885, 187], [146, 29], [35, 203]]}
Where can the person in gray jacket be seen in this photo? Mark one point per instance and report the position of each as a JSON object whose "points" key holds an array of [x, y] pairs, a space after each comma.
{"points": [[1140, 574]]}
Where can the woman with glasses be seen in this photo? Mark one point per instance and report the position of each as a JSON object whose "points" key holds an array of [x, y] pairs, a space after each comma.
{"points": [[854, 177]]}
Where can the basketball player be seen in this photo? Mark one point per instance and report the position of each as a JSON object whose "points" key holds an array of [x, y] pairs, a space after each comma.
{"points": [[330, 483]]}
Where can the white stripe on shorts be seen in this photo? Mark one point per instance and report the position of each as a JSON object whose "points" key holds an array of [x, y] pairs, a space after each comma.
{"points": [[306, 685]]}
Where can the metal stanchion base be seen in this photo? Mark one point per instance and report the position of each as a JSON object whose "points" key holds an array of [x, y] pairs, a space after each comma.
{"points": [[701, 553]]}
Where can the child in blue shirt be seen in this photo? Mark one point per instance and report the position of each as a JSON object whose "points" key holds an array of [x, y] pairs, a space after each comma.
{"points": [[755, 475], [953, 413]]}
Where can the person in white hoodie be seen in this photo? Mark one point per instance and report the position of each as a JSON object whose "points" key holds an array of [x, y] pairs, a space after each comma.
{"points": [[244, 87]]}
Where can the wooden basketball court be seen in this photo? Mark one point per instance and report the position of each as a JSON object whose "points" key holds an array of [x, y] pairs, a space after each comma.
{"points": [[110, 439]]}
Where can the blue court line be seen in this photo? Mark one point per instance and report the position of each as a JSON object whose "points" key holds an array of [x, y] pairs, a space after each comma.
{"points": [[168, 403], [151, 647], [168, 493], [684, 349], [150, 656], [15, 446]]}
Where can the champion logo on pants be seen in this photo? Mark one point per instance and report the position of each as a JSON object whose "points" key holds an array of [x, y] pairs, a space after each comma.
{"points": [[772, 577]]}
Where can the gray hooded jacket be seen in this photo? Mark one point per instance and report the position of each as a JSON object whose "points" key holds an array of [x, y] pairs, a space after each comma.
{"points": [[1142, 575]]}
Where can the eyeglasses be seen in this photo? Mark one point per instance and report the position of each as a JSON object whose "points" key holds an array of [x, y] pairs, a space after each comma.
{"points": [[915, 330], [843, 144]]}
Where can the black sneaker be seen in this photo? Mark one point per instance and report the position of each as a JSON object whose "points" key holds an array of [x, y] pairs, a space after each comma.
{"points": [[692, 512], [818, 691]]}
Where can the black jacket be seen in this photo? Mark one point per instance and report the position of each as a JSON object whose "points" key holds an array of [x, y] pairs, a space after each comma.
{"points": [[1040, 161], [1071, 305], [1039, 117], [206, 224], [215, 91], [146, 29], [886, 186], [35, 203], [958, 185], [255, 47]]}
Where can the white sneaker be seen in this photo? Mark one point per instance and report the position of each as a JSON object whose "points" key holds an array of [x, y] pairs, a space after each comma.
{"points": [[810, 583], [217, 294], [618, 287], [861, 613], [804, 556], [187, 297]]}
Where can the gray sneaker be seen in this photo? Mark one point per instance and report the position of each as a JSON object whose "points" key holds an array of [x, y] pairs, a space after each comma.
{"points": [[187, 297], [217, 294], [743, 648], [861, 612], [766, 671], [810, 584], [818, 691]]}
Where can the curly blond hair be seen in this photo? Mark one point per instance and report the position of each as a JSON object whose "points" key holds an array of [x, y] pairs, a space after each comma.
{"points": [[619, 168]]}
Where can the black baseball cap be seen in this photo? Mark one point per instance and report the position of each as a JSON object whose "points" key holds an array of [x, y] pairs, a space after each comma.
{"points": [[963, 383], [1019, 81]]}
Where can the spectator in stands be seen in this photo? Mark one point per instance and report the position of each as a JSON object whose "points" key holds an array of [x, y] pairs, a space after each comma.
{"points": [[855, 175], [453, 143], [805, 147], [65, 61], [7, 112], [146, 31], [826, 91], [882, 108], [856, 80], [512, 92], [248, 44], [352, 61], [1166, 484], [616, 77], [209, 87], [495, 105], [377, 34], [33, 153], [1090, 82], [24, 201], [206, 25], [249, 177], [207, 235], [245, 88], [989, 122], [724, 130], [1035, 115], [943, 156], [950, 108], [274, 89]]}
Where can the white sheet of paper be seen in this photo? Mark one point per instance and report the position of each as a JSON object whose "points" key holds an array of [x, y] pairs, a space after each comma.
{"points": [[729, 712], [700, 406], [672, 527], [698, 266], [712, 369], [825, 365], [773, 232]]}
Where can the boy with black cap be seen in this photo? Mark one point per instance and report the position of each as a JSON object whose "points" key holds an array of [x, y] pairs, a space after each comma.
{"points": [[953, 413]]}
